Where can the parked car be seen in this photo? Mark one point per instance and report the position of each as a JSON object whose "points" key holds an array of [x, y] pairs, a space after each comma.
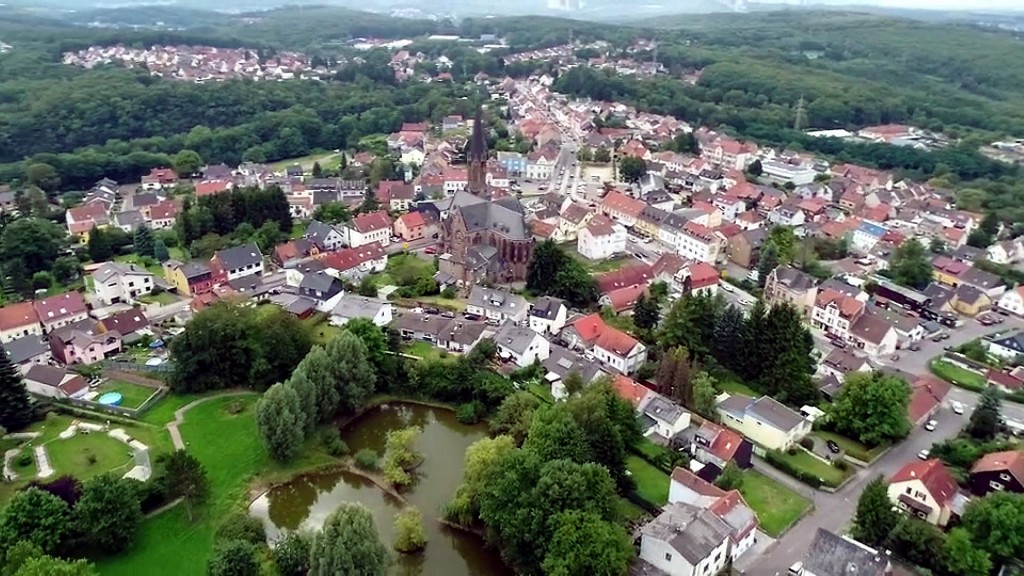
{"points": [[1002, 312], [725, 286], [923, 454], [930, 425], [431, 310], [986, 320], [958, 408], [832, 446], [746, 302], [430, 250], [914, 347]]}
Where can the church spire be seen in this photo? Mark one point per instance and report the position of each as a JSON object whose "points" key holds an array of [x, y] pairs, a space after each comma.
{"points": [[478, 144]]}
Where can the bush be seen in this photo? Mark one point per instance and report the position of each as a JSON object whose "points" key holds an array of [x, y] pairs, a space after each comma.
{"points": [[807, 443], [233, 558], [841, 464], [241, 526], [470, 412], [24, 458], [291, 554], [449, 293], [791, 450], [775, 458], [333, 443], [367, 459]]}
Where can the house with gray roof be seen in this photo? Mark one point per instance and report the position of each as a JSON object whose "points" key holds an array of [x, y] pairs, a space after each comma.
{"points": [[460, 335], [319, 286], [662, 419], [562, 362], [326, 237], [834, 555], [548, 315], [787, 285], [521, 345], [240, 261], [685, 540], [27, 351], [115, 282], [765, 421], [497, 304], [129, 220], [351, 306]]}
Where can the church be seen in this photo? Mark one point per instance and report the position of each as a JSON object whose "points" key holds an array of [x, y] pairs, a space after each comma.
{"points": [[481, 238]]}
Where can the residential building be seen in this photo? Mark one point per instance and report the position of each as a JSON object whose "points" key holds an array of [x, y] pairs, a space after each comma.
{"points": [[835, 312], [1007, 347], [744, 249], [866, 236], [926, 396], [326, 237], [410, 227], [834, 555], [192, 278], [352, 306], [601, 238], [661, 419], [320, 286], [685, 540], [114, 282], [622, 208], [81, 219], [59, 311], [841, 362], [131, 324], [698, 243], [717, 445], [873, 335], [572, 220], [765, 421], [354, 263], [521, 345], [461, 336], [548, 315], [54, 382], [630, 390], [27, 351], [1013, 301], [238, 262], [83, 342], [498, 304], [688, 488], [622, 299], [562, 362], [163, 214], [607, 344], [998, 472], [969, 301], [18, 321], [926, 489], [368, 228], [787, 285]]}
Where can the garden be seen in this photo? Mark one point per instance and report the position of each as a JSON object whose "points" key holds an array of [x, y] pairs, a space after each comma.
{"points": [[956, 375], [777, 506], [132, 395]]}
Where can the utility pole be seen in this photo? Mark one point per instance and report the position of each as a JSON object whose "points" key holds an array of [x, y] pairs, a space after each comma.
{"points": [[801, 115]]}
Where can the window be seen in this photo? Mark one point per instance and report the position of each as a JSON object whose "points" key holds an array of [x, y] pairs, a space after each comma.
{"points": [[995, 485], [1004, 477], [668, 557], [909, 491]]}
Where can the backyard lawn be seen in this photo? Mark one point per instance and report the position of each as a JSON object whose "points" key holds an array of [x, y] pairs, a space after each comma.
{"points": [[154, 266], [651, 483], [163, 298], [320, 330], [229, 447], [133, 395], [776, 505], [852, 447], [606, 265], [307, 161], [731, 383], [956, 375], [422, 349], [830, 474]]}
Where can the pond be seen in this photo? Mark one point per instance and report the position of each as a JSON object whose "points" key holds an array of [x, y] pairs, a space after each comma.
{"points": [[307, 500]]}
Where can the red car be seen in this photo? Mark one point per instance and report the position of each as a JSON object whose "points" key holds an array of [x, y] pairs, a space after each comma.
{"points": [[430, 250]]}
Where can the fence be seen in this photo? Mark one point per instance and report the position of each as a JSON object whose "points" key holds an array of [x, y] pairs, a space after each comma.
{"points": [[125, 366]]}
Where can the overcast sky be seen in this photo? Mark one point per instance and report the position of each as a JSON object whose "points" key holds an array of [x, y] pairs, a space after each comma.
{"points": [[945, 4]]}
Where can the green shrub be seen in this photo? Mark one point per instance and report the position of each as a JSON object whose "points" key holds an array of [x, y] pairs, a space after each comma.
{"points": [[807, 443], [841, 464], [333, 443], [775, 458], [24, 459], [241, 526], [470, 412], [367, 459]]}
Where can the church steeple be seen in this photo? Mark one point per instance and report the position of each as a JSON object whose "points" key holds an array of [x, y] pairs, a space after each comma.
{"points": [[477, 157]]}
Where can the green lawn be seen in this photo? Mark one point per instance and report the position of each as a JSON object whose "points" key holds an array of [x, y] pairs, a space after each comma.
{"points": [[163, 298], [445, 303], [651, 483], [298, 229], [177, 253], [731, 383], [607, 265], [422, 349], [154, 266], [230, 449], [776, 505], [630, 511], [541, 390], [305, 161], [830, 474], [87, 455], [852, 447], [956, 375], [320, 330], [133, 395]]}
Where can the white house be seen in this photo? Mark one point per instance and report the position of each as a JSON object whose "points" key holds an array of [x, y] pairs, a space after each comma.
{"points": [[688, 488], [699, 243], [240, 261], [326, 237], [497, 304], [548, 315], [368, 228], [352, 306], [601, 238], [19, 320], [521, 345], [1013, 301], [619, 350], [926, 490], [662, 417], [1007, 347], [874, 335], [114, 282], [834, 312], [685, 540], [53, 382], [865, 237]]}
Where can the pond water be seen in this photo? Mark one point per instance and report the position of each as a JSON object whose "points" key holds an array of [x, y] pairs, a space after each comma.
{"points": [[307, 500]]}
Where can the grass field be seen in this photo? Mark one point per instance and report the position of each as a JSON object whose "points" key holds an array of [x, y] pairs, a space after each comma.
{"points": [[320, 330], [777, 506], [830, 474], [154, 266], [422, 349], [163, 298], [852, 447], [651, 483], [229, 447], [957, 375], [307, 161], [133, 395], [87, 455]]}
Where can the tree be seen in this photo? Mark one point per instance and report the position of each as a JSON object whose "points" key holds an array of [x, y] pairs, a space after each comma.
{"points": [[704, 390], [632, 169], [49, 566], [332, 213], [554, 434], [318, 171], [355, 379], [280, 422], [43, 175], [108, 513], [768, 261], [187, 162], [16, 409], [784, 240], [481, 459], [937, 246], [291, 554], [316, 367], [602, 155], [996, 525], [37, 517], [348, 545], [675, 373], [583, 543], [984, 422], [100, 248], [755, 169], [233, 558], [143, 241], [33, 243], [409, 536], [875, 519], [781, 349], [573, 383], [961, 556], [515, 415], [66, 269], [400, 455], [160, 252], [918, 542], [910, 265], [552, 272], [646, 312], [872, 407], [731, 477], [186, 479]]}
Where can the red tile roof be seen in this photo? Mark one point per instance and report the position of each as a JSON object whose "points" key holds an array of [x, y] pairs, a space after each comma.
{"points": [[926, 393], [623, 299], [18, 315], [542, 229], [60, 306], [702, 275], [351, 257], [616, 341], [589, 327], [164, 210], [412, 220], [371, 222], [630, 389], [87, 213], [726, 443], [999, 378], [211, 187], [933, 474], [628, 276], [618, 202], [848, 305], [696, 483], [1011, 461]]}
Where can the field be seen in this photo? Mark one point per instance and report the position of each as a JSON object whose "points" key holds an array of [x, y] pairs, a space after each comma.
{"points": [[320, 329], [88, 455], [163, 298], [133, 395], [651, 483], [599, 266], [957, 376], [777, 506], [326, 160], [229, 447]]}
